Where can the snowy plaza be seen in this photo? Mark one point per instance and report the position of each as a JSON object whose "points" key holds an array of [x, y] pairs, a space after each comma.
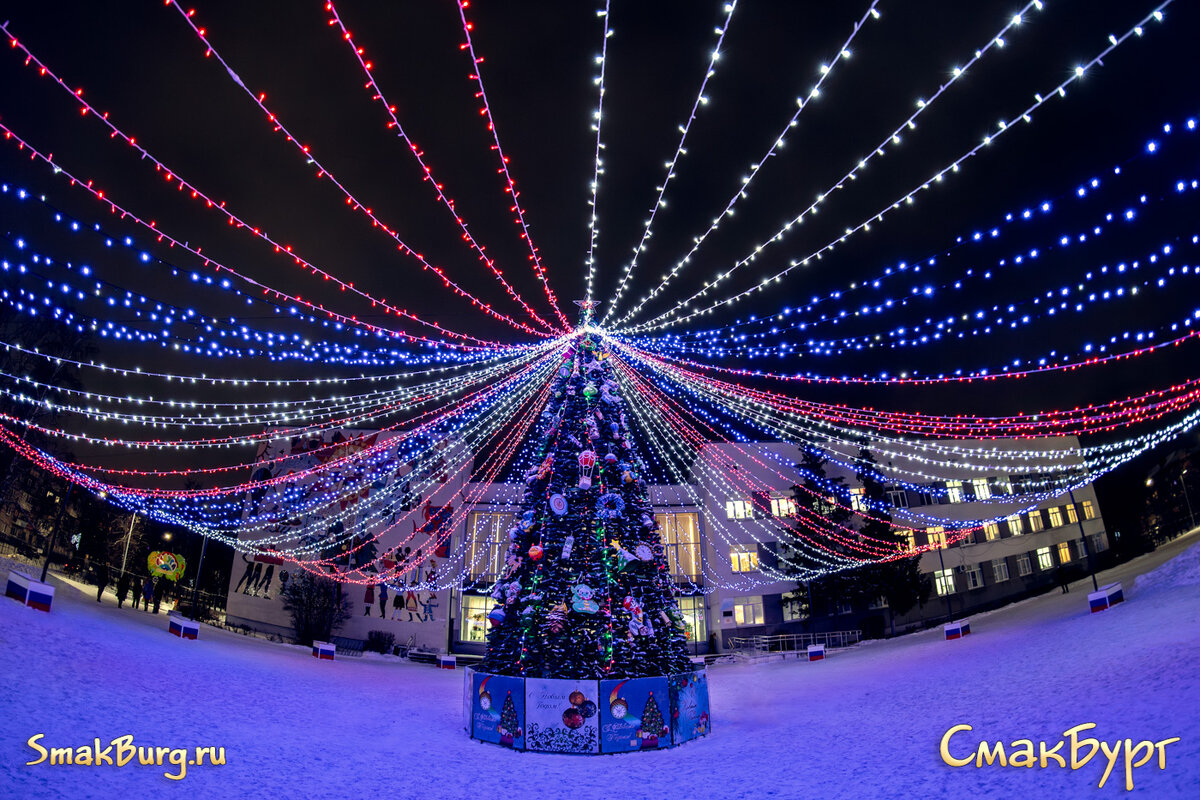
{"points": [[866, 722]]}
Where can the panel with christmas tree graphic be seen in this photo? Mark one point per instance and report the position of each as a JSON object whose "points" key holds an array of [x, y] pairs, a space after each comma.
{"points": [[632, 714], [498, 709], [585, 592]]}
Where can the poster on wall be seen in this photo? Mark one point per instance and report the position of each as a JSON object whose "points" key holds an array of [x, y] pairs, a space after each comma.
{"points": [[689, 706], [562, 716], [633, 714], [498, 710]]}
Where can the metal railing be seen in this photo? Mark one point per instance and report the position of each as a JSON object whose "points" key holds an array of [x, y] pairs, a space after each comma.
{"points": [[750, 646]]}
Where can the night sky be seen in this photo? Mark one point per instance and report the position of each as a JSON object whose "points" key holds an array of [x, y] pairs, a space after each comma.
{"points": [[141, 63]]}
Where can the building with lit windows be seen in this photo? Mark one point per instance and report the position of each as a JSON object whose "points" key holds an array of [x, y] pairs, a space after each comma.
{"points": [[995, 520]]}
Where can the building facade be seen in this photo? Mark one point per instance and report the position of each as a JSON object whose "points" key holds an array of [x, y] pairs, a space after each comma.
{"points": [[989, 536]]}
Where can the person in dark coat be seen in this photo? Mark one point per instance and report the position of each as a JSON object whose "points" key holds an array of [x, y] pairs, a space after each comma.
{"points": [[160, 588], [147, 592], [123, 588], [101, 580]]}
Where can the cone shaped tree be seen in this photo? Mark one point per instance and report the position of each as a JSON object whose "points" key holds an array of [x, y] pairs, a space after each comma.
{"points": [[586, 592]]}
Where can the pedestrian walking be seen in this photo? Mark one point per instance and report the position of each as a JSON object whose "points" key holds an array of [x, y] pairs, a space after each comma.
{"points": [[147, 592], [123, 588], [160, 588], [101, 580]]}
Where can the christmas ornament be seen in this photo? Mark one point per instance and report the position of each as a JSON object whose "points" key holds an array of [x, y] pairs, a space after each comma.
{"points": [[583, 602], [610, 506], [588, 709], [590, 391], [535, 552], [556, 618], [587, 463], [617, 706], [624, 557], [643, 552], [576, 698], [496, 616], [485, 701], [558, 504], [572, 718], [638, 625], [544, 469], [568, 543]]}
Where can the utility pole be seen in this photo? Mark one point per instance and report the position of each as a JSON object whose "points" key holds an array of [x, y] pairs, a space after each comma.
{"points": [[1087, 550], [62, 509]]}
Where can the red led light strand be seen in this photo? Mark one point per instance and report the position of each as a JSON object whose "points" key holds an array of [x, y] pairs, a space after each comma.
{"points": [[115, 208], [351, 200], [510, 185], [394, 124]]}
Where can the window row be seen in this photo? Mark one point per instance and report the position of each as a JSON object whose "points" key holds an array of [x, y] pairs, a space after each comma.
{"points": [[945, 581]]}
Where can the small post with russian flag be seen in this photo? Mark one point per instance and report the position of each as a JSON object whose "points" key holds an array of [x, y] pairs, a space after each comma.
{"points": [[1106, 597], [816, 652], [29, 591], [183, 627], [957, 630], [325, 651]]}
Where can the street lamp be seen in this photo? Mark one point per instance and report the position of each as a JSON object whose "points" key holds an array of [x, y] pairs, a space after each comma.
{"points": [[1186, 498]]}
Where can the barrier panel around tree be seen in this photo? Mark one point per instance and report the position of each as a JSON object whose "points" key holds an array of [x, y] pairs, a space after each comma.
{"points": [[587, 716]]}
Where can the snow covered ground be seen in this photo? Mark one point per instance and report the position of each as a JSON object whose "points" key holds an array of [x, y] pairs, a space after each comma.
{"points": [[864, 723]]}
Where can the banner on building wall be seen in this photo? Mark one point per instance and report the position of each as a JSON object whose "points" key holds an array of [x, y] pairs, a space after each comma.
{"points": [[689, 706], [498, 710], [634, 714], [562, 716]]}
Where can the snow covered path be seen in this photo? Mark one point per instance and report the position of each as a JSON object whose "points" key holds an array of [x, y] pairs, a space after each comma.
{"points": [[865, 723]]}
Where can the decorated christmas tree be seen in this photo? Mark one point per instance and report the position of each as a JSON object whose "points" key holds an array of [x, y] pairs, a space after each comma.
{"points": [[652, 723], [585, 592]]}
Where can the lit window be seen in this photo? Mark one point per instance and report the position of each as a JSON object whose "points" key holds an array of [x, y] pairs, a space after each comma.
{"points": [[748, 610], [999, 570], [877, 603], [981, 489], [1014, 525], [943, 581], [937, 537], [954, 491], [1064, 552], [1023, 566], [1072, 515], [1089, 509], [1035, 521], [910, 537], [680, 535], [474, 613], [744, 557], [487, 544], [991, 531], [858, 500], [974, 577], [783, 507], [737, 509], [1056, 519], [692, 611], [1044, 559]]}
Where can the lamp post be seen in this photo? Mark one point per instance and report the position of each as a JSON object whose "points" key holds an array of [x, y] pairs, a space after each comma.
{"points": [[1087, 550], [128, 536], [54, 531], [1187, 499]]}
